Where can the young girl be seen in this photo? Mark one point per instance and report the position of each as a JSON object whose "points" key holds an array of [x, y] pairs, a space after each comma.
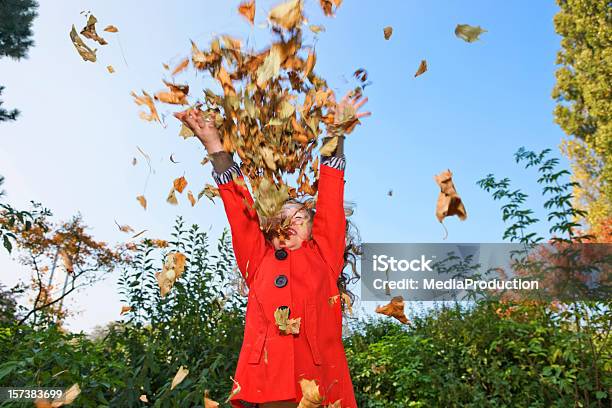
{"points": [[299, 274]]}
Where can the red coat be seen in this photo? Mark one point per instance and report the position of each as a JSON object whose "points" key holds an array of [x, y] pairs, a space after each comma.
{"points": [[271, 364]]}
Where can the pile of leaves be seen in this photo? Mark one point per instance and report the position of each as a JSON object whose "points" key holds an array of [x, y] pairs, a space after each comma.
{"points": [[272, 107]]}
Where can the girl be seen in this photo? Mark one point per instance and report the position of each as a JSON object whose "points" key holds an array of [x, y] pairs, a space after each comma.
{"points": [[298, 275]]}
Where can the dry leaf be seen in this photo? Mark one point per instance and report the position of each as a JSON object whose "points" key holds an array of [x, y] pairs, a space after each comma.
{"points": [[179, 377], [147, 101], [468, 33], [67, 261], [67, 397], [208, 403], [209, 191], [328, 5], [191, 198], [172, 197], [173, 267], [138, 234], [176, 96], [316, 28], [110, 69], [185, 132], [388, 31], [90, 31], [125, 309], [134, 161], [311, 397], [449, 203], [143, 398], [180, 184], [124, 228], [390, 193], [111, 29], [422, 68], [181, 66], [287, 15], [234, 391], [84, 51], [143, 201], [247, 9], [395, 309], [284, 323]]}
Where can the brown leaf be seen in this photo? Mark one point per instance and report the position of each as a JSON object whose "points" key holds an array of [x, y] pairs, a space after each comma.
{"points": [[176, 96], [124, 228], [84, 51], [388, 31], [395, 309], [328, 5], [180, 184], [173, 267], [90, 31], [147, 101], [143, 201], [247, 9], [208, 403], [284, 323], [111, 29], [468, 33], [125, 309], [287, 15], [209, 191], [449, 203], [181, 66], [311, 397], [67, 261], [422, 68], [110, 69], [191, 198]]}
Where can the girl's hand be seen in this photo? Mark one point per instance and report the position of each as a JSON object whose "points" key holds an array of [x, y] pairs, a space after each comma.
{"points": [[348, 107], [203, 127]]}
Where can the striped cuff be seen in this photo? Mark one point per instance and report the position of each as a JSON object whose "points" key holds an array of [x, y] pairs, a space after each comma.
{"points": [[227, 175], [338, 163]]}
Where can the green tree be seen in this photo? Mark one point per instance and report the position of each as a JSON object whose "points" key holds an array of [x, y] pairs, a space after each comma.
{"points": [[15, 36], [583, 93]]}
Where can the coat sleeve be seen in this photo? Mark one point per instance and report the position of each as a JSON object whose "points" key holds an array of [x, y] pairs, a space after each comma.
{"points": [[329, 224], [247, 238]]}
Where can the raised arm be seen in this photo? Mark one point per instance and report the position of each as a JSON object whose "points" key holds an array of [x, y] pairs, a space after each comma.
{"points": [[247, 238]]}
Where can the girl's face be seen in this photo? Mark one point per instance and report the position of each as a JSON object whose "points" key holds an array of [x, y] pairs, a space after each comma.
{"points": [[300, 228]]}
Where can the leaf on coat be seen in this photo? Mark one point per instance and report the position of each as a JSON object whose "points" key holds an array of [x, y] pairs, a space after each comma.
{"points": [[247, 10], [111, 29], [125, 309], [468, 33], [395, 309], [147, 101], [287, 15], [449, 203], [90, 31], [311, 397], [180, 184], [142, 200], [422, 68], [388, 31], [191, 198], [335, 404], [284, 323], [208, 403], [179, 377], [84, 51]]}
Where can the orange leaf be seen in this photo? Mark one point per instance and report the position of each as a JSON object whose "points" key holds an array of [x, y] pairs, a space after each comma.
{"points": [[111, 29], [191, 198], [422, 68], [395, 309], [143, 201], [181, 67], [180, 183], [247, 9]]}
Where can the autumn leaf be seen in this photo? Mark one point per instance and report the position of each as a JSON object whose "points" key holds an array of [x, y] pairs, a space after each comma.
{"points": [[180, 184], [84, 51], [287, 15], [191, 198], [247, 9], [390, 193], [181, 66], [179, 377], [172, 197], [449, 203], [173, 267], [176, 96], [143, 398], [388, 31], [316, 28], [147, 101], [125, 309], [329, 147], [111, 29], [422, 68], [143, 201], [311, 396], [67, 398], [110, 69], [138, 234], [395, 309], [90, 31], [270, 67], [208, 403], [124, 228], [185, 132], [328, 5], [468, 33], [235, 390], [134, 161], [209, 191], [284, 323]]}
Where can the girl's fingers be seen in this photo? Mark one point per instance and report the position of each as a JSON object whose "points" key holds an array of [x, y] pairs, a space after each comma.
{"points": [[363, 114], [360, 103]]}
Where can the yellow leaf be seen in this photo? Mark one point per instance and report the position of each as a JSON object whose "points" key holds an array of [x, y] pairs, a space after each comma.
{"points": [[287, 15], [148, 101], [468, 33], [179, 376], [329, 147], [316, 28], [185, 132], [143, 201]]}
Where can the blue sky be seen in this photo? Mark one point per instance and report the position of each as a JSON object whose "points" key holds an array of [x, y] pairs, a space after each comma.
{"points": [[72, 147]]}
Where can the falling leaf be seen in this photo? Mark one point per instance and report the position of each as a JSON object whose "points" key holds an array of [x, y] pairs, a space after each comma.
{"points": [[191, 198], [172, 197], [270, 67], [310, 63], [181, 66], [90, 31], [327, 6], [180, 184], [143, 201], [468, 33], [311, 396], [209, 191], [110, 69], [176, 96], [124, 228], [166, 67], [329, 147], [316, 28], [125, 309], [247, 9], [422, 68], [148, 101], [185, 132], [173, 267], [395, 309], [143, 398], [287, 15], [208, 403], [179, 377], [286, 325], [388, 31], [235, 390], [84, 51], [111, 29], [449, 203]]}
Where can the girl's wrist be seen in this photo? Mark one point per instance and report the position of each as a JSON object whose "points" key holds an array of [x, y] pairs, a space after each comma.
{"points": [[213, 146]]}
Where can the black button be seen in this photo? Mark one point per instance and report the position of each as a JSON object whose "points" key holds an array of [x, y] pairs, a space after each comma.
{"points": [[280, 281], [280, 254]]}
